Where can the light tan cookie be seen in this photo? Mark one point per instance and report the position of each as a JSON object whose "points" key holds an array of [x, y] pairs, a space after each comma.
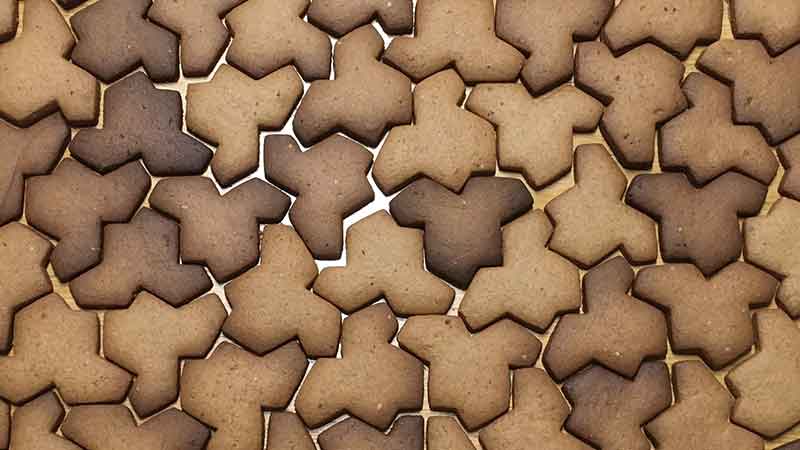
{"points": [[444, 433], [457, 33], [272, 303], [469, 373], [287, 432], [775, 22], [329, 182], [365, 98], [9, 19], [789, 154], [591, 220], [230, 390], [353, 434], [35, 425], [446, 143], [339, 17], [230, 110]]}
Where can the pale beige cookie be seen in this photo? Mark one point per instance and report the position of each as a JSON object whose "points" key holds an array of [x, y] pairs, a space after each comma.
{"points": [[444, 433], [286, 431], [35, 423], [353, 434], [339, 17]]}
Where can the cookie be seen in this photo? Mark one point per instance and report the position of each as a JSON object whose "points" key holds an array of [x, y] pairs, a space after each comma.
{"points": [[9, 19], [469, 373], [699, 418], [69, 4], [287, 431], [794, 445], [776, 23], [384, 260], [151, 338], [763, 86], [38, 79], [329, 182], [203, 35], [533, 285], [289, 310], [535, 421], [339, 17], [444, 433], [230, 390], [5, 423], [219, 230], [140, 121], [704, 142], [55, 346], [641, 90], [608, 411], [462, 231], [535, 135], [74, 202], [374, 380], [115, 37], [35, 425], [446, 143], [230, 110], [789, 155], [698, 225], [364, 99], [545, 30], [459, 34], [591, 220], [708, 316], [353, 434], [764, 385], [141, 255], [677, 26]]}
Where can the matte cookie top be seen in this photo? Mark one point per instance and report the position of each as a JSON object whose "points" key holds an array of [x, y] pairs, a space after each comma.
{"points": [[339, 17], [775, 22], [789, 155], [353, 434], [36, 422], [287, 431], [9, 19]]}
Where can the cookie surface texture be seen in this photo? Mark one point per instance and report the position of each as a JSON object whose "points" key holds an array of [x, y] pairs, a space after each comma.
{"points": [[339, 17], [353, 434], [789, 154], [287, 431], [775, 22], [9, 19], [35, 424], [444, 433]]}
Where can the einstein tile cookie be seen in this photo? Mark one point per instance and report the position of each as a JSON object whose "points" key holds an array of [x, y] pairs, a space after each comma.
{"points": [[444, 433], [339, 17], [35, 424], [9, 19], [287, 431], [775, 22], [353, 434], [5, 423], [789, 155]]}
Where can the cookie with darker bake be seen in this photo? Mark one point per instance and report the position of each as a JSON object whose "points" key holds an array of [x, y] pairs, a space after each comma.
{"points": [[775, 22], [9, 19], [35, 423], [339, 17], [789, 155], [353, 434], [445, 433]]}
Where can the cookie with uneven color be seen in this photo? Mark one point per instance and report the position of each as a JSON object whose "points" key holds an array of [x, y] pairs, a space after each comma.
{"points": [[444, 433], [353, 434], [230, 390], [469, 373], [535, 135], [641, 89], [365, 98], [698, 225], [141, 255], [339, 17], [219, 230], [287, 431], [230, 110], [775, 22], [329, 182], [462, 231], [69, 4], [35, 425], [794, 445], [789, 155], [272, 303], [74, 203], [9, 19], [446, 143], [150, 338]]}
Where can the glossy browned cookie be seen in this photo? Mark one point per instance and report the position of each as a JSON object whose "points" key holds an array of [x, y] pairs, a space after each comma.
{"points": [[365, 98], [339, 17], [230, 390], [457, 33], [38, 79], [698, 225], [203, 35], [74, 202], [444, 433], [709, 316], [591, 220], [608, 411], [535, 135], [140, 121], [230, 110], [35, 425], [384, 260], [704, 142], [141, 255], [789, 155], [641, 90], [775, 22], [151, 337], [446, 143], [700, 417], [462, 231], [329, 182], [219, 230], [287, 432], [9, 19], [272, 303], [469, 373], [353, 434]]}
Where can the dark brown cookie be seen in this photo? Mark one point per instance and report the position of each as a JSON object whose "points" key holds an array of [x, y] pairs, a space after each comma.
{"points": [[457, 33], [444, 433], [115, 37], [469, 373], [365, 98], [698, 225], [641, 88], [446, 143], [230, 390], [287, 432], [794, 445], [230, 110], [462, 231], [69, 4], [219, 231], [289, 310], [35, 425], [329, 182], [9, 20], [74, 202], [775, 22], [140, 256], [140, 121], [353, 434], [339, 17], [789, 155]]}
